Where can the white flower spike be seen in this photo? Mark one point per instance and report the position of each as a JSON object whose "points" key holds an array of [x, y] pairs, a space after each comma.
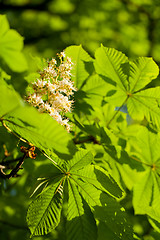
{"points": [[53, 90]]}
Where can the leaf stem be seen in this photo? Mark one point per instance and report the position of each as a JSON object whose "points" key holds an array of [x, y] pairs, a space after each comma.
{"points": [[107, 125], [136, 159], [4, 125]]}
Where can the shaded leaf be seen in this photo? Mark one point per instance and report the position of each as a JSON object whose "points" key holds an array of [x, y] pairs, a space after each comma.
{"points": [[101, 179], [114, 217], [80, 221]]}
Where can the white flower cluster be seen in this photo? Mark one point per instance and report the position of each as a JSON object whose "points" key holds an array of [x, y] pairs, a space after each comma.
{"points": [[52, 91]]}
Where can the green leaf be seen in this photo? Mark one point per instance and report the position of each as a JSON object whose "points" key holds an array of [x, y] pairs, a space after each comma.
{"points": [[44, 212], [145, 104], [81, 159], [142, 71], [11, 44], [107, 210], [10, 100], [80, 221], [95, 85], [41, 130], [146, 195], [109, 63], [89, 193], [146, 147], [101, 179], [130, 78], [146, 191], [114, 217], [82, 64], [155, 224], [95, 89]]}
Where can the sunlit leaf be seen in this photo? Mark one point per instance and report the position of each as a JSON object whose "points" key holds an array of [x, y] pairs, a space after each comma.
{"points": [[10, 99], [81, 159], [82, 64], [109, 63], [11, 44], [142, 71]]}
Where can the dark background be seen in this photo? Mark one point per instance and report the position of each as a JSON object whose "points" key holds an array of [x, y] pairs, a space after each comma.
{"points": [[48, 26]]}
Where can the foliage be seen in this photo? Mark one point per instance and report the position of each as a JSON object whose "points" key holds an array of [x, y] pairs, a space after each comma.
{"points": [[84, 179]]}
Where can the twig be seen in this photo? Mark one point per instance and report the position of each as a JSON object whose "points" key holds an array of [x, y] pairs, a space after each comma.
{"points": [[15, 170], [5, 163]]}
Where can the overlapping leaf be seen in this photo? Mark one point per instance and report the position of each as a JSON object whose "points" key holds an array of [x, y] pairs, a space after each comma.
{"points": [[100, 178], [114, 217], [107, 210], [83, 64], [80, 221], [130, 78], [95, 89]]}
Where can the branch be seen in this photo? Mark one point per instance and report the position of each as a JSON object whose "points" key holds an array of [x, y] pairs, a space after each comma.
{"points": [[85, 140], [6, 163], [15, 170], [28, 152]]}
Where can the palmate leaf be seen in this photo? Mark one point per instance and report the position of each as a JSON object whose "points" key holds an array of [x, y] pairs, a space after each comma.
{"points": [[130, 78], [83, 64], [93, 184], [80, 221], [44, 212], [85, 199], [146, 191], [11, 44]]}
